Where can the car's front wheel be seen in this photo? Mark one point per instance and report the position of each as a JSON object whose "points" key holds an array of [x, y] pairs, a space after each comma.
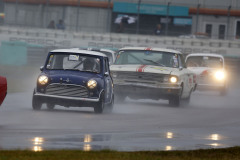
{"points": [[110, 105], [174, 100], [186, 101], [99, 107], [36, 104]]}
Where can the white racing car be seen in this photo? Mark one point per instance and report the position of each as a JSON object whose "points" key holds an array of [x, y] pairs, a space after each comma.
{"points": [[210, 71], [152, 73]]}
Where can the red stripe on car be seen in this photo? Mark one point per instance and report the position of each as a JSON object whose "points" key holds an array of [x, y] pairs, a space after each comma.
{"points": [[148, 49], [141, 68]]}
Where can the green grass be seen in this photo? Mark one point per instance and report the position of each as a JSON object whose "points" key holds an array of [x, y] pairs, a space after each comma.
{"points": [[208, 154]]}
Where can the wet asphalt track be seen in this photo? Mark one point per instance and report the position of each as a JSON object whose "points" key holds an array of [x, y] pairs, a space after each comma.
{"points": [[210, 121]]}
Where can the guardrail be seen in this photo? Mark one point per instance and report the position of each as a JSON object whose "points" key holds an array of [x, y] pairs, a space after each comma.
{"points": [[36, 56], [113, 37]]}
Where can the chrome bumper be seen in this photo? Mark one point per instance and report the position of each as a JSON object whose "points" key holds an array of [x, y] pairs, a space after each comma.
{"points": [[154, 86], [67, 98]]}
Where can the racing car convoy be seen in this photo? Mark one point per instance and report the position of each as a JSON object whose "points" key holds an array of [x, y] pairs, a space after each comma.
{"points": [[82, 77]]}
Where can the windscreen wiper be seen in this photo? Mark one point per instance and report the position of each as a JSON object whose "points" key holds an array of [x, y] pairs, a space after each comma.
{"points": [[149, 60]]}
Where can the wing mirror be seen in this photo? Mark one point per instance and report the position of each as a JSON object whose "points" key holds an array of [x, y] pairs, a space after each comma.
{"points": [[41, 68]]}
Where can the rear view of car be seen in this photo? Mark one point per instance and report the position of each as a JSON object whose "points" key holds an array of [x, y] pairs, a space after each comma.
{"points": [[210, 71], [3, 89]]}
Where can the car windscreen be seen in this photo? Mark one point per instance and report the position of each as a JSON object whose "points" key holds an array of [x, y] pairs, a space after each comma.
{"points": [[73, 62], [147, 57], [204, 61]]}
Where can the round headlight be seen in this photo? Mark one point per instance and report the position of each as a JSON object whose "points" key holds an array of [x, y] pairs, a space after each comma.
{"points": [[219, 75], [91, 84], [173, 79], [43, 79]]}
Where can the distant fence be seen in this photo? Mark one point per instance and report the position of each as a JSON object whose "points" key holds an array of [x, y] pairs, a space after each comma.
{"points": [[37, 56]]}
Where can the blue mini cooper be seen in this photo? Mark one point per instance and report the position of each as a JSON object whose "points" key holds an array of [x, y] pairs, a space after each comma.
{"points": [[74, 78]]}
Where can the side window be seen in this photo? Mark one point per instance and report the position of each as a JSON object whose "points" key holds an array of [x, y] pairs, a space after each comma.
{"points": [[106, 65]]}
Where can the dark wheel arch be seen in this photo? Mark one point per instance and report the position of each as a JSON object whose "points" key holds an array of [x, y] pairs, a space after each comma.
{"points": [[99, 106], [36, 103]]}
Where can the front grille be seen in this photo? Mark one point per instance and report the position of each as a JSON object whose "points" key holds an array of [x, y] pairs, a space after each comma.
{"points": [[140, 76], [67, 90]]}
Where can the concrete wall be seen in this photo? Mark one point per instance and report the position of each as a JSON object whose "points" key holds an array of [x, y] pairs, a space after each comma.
{"points": [[65, 39]]}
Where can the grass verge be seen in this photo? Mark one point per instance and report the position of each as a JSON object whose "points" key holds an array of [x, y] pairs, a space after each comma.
{"points": [[232, 153]]}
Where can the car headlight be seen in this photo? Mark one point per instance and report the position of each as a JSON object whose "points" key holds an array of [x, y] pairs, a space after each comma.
{"points": [[219, 75], [43, 79], [91, 84], [173, 79]]}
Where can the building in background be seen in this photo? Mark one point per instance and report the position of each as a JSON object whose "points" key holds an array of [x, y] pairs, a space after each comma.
{"points": [[219, 20]]}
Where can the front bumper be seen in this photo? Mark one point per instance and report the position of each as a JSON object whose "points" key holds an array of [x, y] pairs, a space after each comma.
{"points": [[209, 87], [144, 91], [209, 83], [66, 101]]}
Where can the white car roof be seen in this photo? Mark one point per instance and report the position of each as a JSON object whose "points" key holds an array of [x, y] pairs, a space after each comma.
{"points": [[107, 50], [152, 49], [76, 50], [205, 54]]}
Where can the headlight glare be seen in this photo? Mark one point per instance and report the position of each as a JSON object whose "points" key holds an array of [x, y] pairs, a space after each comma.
{"points": [[91, 84], [173, 79], [43, 79], [219, 75]]}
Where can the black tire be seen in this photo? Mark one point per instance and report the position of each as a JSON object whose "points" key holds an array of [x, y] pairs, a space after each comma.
{"points": [[50, 106], [186, 101], [110, 105], [99, 107], [36, 104], [174, 100]]}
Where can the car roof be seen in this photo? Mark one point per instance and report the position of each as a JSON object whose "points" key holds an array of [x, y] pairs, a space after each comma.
{"points": [[77, 50], [152, 49], [97, 49], [205, 54]]}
